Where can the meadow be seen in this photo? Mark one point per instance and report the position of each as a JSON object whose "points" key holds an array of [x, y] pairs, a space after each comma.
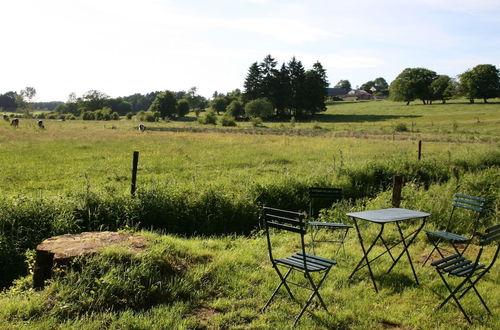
{"points": [[200, 188]]}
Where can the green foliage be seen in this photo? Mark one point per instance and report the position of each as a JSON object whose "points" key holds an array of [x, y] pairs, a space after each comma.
{"points": [[256, 122], [291, 90], [235, 109], [411, 84], [182, 108], [345, 84], [166, 104], [227, 120], [259, 108], [129, 115], [482, 81], [148, 116], [219, 104], [209, 118], [401, 127]]}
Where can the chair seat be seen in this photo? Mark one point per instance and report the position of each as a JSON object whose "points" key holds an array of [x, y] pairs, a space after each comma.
{"points": [[313, 263], [456, 265], [329, 224], [444, 235]]}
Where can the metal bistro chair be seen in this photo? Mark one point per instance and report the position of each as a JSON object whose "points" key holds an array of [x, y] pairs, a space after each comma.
{"points": [[457, 265], [320, 198], [460, 201], [300, 261]]}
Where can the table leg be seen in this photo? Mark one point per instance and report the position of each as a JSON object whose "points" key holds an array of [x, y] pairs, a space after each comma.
{"points": [[406, 246], [365, 253]]}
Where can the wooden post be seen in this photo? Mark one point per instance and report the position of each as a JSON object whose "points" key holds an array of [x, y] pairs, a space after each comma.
{"points": [[396, 190], [135, 161], [419, 149]]}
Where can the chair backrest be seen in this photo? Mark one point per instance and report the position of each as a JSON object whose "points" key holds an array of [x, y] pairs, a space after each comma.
{"points": [[491, 235], [322, 197], [470, 203], [286, 221]]}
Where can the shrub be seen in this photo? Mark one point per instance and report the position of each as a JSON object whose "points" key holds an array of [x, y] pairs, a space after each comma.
{"points": [[259, 108], [129, 115], [227, 120], [88, 115], [210, 118], [256, 121], [401, 127]]}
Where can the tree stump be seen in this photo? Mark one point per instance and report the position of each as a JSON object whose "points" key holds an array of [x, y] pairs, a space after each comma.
{"points": [[60, 250]]}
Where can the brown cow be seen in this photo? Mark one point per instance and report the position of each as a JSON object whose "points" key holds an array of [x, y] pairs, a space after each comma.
{"points": [[14, 122], [6, 118]]}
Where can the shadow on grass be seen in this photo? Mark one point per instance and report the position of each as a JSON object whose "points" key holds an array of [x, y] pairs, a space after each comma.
{"points": [[337, 118], [393, 281]]}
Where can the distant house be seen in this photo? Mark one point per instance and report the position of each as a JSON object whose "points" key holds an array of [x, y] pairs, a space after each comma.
{"points": [[336, 92], [359, 94]]}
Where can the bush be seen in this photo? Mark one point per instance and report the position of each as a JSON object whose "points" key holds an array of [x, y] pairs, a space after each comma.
{"points": [[259, 108], [210, 118], [227, 120], [256, 121], [129, 115], [401, 127]]}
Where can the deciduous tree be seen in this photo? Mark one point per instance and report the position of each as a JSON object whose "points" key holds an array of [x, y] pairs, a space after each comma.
{"points": [[411, 84], [166, 104], [482, 81]]}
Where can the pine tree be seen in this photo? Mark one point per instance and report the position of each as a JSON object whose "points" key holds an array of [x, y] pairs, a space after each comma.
{"points": [[253, 83]]}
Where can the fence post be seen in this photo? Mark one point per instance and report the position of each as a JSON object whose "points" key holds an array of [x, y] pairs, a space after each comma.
{"points": [[135, 161], [396, 190], [419, 149]]}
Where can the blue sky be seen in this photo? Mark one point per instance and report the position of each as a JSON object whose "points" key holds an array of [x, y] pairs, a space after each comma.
{"points": [[121, 47]]}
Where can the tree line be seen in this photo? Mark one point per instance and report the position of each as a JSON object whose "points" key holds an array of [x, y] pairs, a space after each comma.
{"points": [[291, 90], [480, 82]]}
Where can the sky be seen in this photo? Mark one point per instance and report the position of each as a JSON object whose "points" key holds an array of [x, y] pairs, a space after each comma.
{"points": [[122, 47]]}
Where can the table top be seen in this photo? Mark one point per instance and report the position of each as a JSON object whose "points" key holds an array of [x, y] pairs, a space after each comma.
{"points": [[388, 215]]}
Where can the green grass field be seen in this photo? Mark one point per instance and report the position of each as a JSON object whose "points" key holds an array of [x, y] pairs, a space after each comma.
{"points": [[221, 282]]}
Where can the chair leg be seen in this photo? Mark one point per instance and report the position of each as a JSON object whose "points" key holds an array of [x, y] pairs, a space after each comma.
{"points": [[479, 296], [315, 293], [435, 248], [283, 282], [452, 295]]}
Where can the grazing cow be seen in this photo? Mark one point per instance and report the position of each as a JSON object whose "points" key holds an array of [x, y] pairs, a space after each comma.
{"points": [[40, 124], [142, 128], [6, 118], [14, 122]]}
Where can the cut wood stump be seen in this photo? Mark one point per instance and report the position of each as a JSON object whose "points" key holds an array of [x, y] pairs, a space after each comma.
{"points": [[60, 250]]}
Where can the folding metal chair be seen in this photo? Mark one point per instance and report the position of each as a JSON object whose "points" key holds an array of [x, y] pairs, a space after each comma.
{"points": [[457, 265], [469, 203], [320, 198], [300, 261]]}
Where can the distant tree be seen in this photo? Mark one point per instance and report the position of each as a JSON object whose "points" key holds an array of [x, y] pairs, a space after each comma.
{"points": [[219, 104], [253, 83], [482, 81], [442, 88], [367, 86], [297, 87], [345, 84], [182, 108], [235, 109], [284, 91], [316, 85], [8, 101], [269, 80], [166, 104], [261, 108], [381, 84], [119, 105], [411, 84], [92, 100]]}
